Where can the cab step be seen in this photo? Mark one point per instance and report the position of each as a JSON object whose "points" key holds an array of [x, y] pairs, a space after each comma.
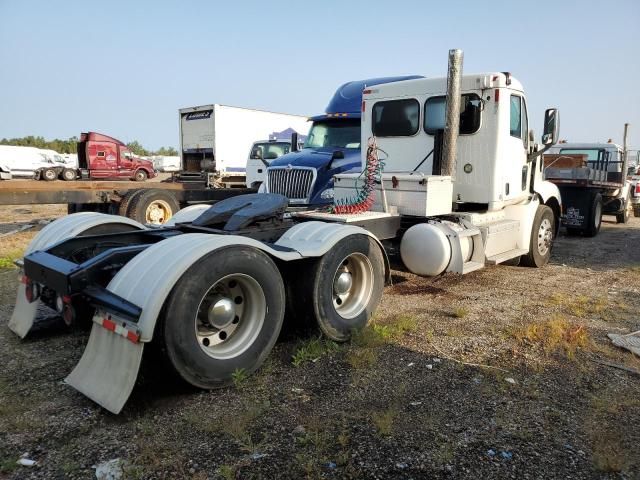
{"points": [[504, 256]]}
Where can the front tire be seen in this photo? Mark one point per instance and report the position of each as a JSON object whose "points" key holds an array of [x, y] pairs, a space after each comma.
{"points": [[68, 174], [140, 176], [541, 241], [623, 217], [224, 314], [344, 287]]}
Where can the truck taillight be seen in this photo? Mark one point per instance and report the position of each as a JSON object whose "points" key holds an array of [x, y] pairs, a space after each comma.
{"points": [[638, 187], [496, 95]]}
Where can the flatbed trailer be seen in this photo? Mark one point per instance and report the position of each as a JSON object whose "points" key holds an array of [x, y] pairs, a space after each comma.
{"points": [[153, 202], [592, 183]]}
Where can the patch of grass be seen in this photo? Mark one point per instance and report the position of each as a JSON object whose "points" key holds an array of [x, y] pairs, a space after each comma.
{"points": [[6, 261], [239, 377], [579, 306], [460, 312], [8, 465], [384, 420], [313, 349], [558, 333], [228, 472], [362, 358]]}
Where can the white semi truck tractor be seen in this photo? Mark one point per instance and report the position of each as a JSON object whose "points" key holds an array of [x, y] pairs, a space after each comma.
{"points": [[212, 287]]}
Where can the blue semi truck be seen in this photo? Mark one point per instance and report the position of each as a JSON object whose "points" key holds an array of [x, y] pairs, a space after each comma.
{"points": [[332, 147]]}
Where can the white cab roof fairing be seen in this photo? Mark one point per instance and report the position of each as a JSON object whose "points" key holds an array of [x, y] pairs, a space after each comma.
{"points": [[438, 86]]}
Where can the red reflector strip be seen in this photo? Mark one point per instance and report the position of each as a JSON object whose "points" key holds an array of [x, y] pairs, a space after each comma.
{"points": [[131, 335], [496, 95], [24, 279]]}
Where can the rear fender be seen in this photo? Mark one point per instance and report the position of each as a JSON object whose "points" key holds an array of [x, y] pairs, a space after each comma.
{"points": [[62, 229], [109, 365]]}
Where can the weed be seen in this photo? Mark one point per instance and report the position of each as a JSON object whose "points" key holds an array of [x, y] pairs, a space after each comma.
{"points": [[579, 306], [228, 472], [460, 312], [313, 349], [239, 377], [554, 334], [384, 420]]}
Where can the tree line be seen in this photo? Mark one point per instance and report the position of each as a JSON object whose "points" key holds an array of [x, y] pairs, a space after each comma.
{"points": [[71, 145]]}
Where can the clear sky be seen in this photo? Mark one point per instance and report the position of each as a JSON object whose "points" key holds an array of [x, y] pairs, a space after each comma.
{"points": [[124, 68]]}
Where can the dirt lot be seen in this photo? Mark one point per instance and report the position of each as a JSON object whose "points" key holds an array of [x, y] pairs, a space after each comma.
{"points": [[503, 373]]}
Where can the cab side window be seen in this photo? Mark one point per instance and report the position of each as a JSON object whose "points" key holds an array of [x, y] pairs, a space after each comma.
{"points": [[396, 118], [515, 124]]}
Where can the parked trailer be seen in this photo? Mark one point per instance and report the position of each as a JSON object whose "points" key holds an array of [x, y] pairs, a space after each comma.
{"points": [[147, 203], [215, 140], [592, 181], [212, 287]]}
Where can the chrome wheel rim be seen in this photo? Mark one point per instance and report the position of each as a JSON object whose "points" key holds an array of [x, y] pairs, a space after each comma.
{"points": [[545, 236], [352, 285], [158, 212], [230, 316], [596, 219]]}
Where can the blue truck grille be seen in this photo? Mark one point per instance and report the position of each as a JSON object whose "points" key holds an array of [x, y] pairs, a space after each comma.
{"points": [[293, 183]]}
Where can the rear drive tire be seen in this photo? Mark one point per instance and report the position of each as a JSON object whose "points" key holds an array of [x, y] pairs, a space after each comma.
{"points": [[542, 236], [343, 289], [594, 221], [69, 174], [49, 174], [123, 207], [223, 315], [152, 206], [140, 176]]}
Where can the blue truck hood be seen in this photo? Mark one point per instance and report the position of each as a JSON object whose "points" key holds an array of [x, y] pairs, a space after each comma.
{"points": [[319, 158]]}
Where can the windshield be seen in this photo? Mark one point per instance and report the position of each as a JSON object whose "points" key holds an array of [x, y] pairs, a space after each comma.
{"points": [[270, 150], [334, 133]]}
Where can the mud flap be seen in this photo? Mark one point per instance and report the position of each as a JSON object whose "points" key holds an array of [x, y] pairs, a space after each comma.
{"points": [[24, 313], [108, 369]]}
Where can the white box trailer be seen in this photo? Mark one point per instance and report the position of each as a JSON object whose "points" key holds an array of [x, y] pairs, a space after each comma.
{"points": [[216, 139]]}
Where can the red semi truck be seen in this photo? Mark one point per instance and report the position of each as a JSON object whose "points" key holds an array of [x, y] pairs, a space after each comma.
{"points": [[101, 156]]}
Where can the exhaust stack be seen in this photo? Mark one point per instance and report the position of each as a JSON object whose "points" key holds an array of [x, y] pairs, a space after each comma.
{"points": [[452, 120]]}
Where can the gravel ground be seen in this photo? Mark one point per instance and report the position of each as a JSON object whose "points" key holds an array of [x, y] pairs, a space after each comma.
{"points": [[503, 373]]}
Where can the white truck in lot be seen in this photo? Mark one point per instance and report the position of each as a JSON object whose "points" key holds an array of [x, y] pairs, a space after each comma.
{"points": [[461, 188], [29, 162], [215, 139], [264, 151]]}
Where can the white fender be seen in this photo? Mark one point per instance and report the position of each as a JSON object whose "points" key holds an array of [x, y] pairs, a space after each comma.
{"points": [[314, 239], [107, 371], [187, 214], [64, 228]]}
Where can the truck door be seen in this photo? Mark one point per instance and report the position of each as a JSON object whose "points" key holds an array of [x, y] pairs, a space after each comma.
{"points": [[516, 179], [125, 167]]}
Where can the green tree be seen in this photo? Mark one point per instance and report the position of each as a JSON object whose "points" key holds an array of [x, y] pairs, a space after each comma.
{"points": [[136, 148]]}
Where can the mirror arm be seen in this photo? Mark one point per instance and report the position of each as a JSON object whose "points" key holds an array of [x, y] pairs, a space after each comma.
{"points": [[533, 155]]}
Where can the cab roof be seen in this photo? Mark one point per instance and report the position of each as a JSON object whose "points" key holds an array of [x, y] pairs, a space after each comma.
{"points": [[438, 85], [347, 100]]}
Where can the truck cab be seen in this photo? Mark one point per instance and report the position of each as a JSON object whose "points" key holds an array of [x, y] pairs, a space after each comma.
{"points": [[263, 152], [101, 156], [332, 147]]}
